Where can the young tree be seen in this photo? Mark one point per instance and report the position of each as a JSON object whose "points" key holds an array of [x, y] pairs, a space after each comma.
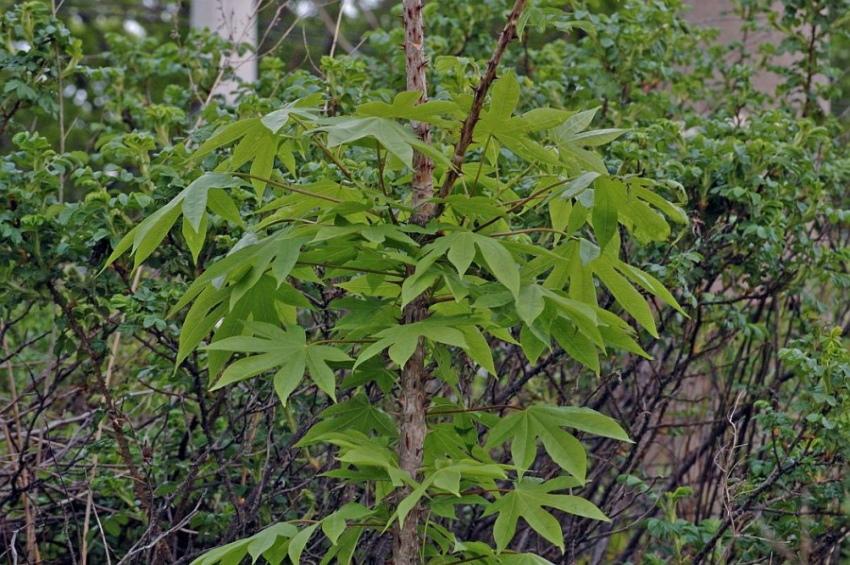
{"points": [[402, 301]]}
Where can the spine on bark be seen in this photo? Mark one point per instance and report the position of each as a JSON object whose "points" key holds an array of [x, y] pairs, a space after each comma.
{"points": [[412, 394], [412, 399]]}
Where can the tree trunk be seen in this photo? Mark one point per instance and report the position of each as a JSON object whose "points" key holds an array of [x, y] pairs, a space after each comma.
{"points": [[412, 399], [414, 403], [416, 65]]}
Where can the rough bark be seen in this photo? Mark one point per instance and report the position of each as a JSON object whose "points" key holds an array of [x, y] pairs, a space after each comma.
{"points": [[407, 540], [412, 400], [416, 65]]}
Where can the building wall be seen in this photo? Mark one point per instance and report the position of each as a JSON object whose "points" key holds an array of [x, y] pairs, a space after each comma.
{"points": [[235, 20], [720, 15]]}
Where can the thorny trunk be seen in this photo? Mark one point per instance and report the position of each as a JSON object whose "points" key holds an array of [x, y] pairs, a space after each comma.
{"points": [[415, 374], [415, 64], [412, 394]]}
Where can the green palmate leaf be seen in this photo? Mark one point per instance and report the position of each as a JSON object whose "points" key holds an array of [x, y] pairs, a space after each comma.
{"points": [[145, 238], [406, 106], [395, 138], [263, 162], [649, 284], [236, 287], [478, 349], [254, 133], [283, 349], [572, 142], [527, 500], [195, 195], [305, 108], [530, 303], [625, 294], [356, 413], [402, 340], [498, 126], [504, 96], [524, 427], [343, 550], [247, 148], [335, 524], [225, 135], [669, 209], [447, 478], [586, 420], [462, 251], [231, 553], [459, 247], [221, 204], [358, 449], [271, 543], [480, 207], [576, 123], [194, 238], [596, 137], [500, 262]]}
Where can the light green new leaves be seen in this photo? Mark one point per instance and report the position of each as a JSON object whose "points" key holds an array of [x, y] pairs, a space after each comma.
{"points": [[406, 106], [271, 543], [460, 249], [524, 427], [402, 340], [395, 138], [286, 350], [573, 141], [527, 500], [497, 123], [358, 414], [192, 202], [447, 478], [608, 197]]}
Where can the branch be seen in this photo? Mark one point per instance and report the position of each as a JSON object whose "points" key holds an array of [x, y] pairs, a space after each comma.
{"points": [[507, 35]]}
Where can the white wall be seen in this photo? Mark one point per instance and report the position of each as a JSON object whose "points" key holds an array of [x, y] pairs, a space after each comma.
{"points": [[236, 21]]}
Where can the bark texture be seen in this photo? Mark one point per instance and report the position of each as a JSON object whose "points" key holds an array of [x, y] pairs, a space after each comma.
{"points": [[416, 65], [412, 400]]}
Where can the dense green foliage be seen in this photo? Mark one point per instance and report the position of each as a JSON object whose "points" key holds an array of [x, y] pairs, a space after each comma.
{"points": [[204, 305]]}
